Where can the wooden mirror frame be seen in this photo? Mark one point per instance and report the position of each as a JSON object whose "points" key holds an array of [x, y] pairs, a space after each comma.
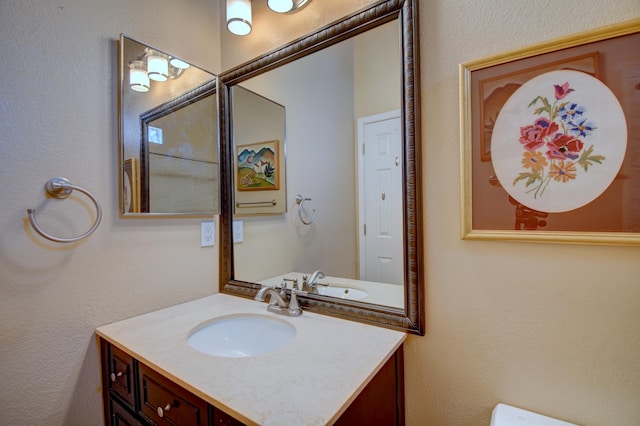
{"points": [[411, 318]]}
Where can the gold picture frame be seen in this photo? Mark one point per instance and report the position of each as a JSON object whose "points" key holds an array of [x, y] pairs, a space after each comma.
{"points": [[131, 185], [609, 54]]}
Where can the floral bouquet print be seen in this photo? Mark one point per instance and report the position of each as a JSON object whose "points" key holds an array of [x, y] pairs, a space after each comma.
{"points": [[554, 143], [559, 141]]}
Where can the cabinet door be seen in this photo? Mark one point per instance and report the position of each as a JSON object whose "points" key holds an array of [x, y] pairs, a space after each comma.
{"points": [[220, 418], [166, 403], [381, 402]]}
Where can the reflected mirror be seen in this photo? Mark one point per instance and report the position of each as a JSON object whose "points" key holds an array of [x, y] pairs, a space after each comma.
{"points": [[168, 151], [351, 145], [259, 144]]}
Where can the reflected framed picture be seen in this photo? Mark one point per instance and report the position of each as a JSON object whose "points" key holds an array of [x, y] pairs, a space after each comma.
{"points": [[258, 166], [130, 192], [550, 141]]}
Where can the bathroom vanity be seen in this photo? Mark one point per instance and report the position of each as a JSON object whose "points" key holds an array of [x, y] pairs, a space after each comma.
{"points": [[332, 371]]}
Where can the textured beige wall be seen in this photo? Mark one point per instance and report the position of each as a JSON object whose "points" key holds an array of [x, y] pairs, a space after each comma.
{"points": [[377, 85], [58, 117], [553, 328]]}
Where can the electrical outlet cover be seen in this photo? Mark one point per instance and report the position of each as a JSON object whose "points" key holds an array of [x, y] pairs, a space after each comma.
{"points": [[206, 234]]}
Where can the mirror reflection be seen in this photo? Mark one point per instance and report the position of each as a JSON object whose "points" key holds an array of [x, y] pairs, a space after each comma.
{"points": [[267, 247], [168, 135], [259, 141], [344, 173]]}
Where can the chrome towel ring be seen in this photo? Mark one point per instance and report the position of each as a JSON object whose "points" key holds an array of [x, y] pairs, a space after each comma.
{"points": [[299, 201], [60, 187]]}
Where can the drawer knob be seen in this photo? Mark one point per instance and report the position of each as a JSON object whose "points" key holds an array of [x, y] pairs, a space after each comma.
{"points": [[114, 376], [161, 411]]}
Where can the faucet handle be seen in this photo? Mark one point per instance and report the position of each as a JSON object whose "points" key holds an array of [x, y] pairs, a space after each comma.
{"points": [[294, 307], [299, 292], [283, 288], [292, 280]]}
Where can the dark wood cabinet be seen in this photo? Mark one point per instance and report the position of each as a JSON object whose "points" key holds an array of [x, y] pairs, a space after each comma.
{"points": [[120, 376], [381, 402], [136, 395], [167, 404], [120, 416]]}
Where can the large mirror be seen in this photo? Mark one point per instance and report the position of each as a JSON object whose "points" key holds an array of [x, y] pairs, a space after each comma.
{"points": [[349, 93], [168, 151]]}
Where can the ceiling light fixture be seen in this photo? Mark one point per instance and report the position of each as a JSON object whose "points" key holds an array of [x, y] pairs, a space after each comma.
{"points": [[239, 19]]}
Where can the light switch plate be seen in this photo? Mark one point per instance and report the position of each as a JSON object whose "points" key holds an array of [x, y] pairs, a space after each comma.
{"points": [[237, 231], [206, 234]]}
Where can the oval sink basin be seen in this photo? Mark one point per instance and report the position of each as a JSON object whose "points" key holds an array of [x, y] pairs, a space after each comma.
{"points": [[241, 335], [342, 292]]}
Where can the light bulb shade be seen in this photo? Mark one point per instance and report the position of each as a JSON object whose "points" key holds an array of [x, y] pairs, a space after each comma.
{"points": [[280, 6], [157, 66], [179, 63], [239, 16], [138, 78]]}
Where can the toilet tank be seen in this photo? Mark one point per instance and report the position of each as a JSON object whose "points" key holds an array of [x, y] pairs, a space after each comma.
{"points": [[506, 415]]}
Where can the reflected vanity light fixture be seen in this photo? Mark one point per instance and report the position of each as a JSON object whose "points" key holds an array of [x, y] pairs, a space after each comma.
{"points": [[138, 78], [157, 66], [287, 6], [239, 19], [178, 63], [153, 65], [239, 16], [280, 6]]}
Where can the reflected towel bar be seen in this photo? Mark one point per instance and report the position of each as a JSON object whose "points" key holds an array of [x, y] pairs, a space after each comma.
{"points": [[60, 187], [257, 204]]}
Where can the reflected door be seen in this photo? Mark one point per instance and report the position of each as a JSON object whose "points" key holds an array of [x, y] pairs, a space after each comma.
{"points": [[382, 238]]}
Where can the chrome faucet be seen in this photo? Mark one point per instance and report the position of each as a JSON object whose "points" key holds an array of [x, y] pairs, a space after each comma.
{"points": [[310, 284], [277, 303], [270, 291]]}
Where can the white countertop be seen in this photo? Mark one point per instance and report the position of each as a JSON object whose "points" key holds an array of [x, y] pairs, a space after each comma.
{"points": [[310, 381]]}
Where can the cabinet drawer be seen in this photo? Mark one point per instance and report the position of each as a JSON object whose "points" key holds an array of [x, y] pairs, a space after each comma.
{"points": [[120, 375], [166, 403], [120, 416]]}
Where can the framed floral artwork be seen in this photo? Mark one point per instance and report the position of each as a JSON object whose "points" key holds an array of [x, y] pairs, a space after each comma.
{"points": [[550, 141], [495, 90]]}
